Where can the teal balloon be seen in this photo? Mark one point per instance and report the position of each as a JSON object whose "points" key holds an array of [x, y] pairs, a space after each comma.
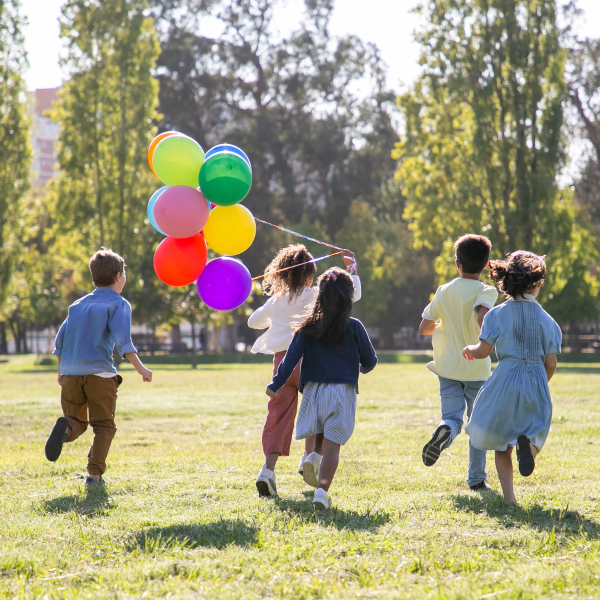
{"points": [[225, 178], [177, 160], [150, 210]]}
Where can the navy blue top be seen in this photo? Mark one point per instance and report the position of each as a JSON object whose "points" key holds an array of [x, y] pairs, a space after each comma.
{"points": [[95, 324], [328, 363]]}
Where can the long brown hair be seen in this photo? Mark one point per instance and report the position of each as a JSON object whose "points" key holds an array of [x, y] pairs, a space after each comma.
{"points": [[293, 280], [328, 317], [517, 273]]}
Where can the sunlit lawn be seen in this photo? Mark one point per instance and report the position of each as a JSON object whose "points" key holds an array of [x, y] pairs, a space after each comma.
{"points": [[180, 517]]}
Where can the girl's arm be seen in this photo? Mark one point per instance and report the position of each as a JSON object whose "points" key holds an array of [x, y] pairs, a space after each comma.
{"points": [[261, 317], [288, 364], [474, 351], [550, 365]]}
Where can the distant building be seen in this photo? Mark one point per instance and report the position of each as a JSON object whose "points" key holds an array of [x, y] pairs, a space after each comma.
{"points": [[44, 135]]}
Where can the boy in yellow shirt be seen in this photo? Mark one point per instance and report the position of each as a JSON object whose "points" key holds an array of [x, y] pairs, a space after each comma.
{"points": [[454, 318]]}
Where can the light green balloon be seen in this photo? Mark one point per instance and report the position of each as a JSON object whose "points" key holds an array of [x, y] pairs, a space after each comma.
{"points": [[225, 178], [177, 160]]}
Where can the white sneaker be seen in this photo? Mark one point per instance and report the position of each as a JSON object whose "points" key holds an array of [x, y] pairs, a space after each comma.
{"points": [[301, 467], [311, 467], [265, 483], [320, 500]]}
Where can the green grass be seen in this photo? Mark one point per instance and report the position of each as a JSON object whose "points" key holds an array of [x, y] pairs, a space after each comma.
{"points": [[181, 519]]}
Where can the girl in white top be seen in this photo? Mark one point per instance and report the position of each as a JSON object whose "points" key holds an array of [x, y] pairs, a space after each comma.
{"points": [[291, 292]]}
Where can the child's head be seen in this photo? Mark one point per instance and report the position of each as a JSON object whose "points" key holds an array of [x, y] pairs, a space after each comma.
{"points": [[472, 253], [329, 316], [105, 267], [293, 281], [520, 272]]}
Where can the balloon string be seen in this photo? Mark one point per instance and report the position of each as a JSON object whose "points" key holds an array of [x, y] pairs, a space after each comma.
{"points": [[314, 260], [351, 268]]}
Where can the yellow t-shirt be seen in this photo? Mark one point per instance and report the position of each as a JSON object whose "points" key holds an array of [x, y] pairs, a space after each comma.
{"points": [[454, 308]]}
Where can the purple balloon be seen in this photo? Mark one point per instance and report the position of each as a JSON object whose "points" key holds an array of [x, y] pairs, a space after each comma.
{"points": [[225, 284]]}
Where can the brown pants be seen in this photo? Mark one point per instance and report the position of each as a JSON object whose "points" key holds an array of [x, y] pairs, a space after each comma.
{"points": [[97, 396], [282, 408]]}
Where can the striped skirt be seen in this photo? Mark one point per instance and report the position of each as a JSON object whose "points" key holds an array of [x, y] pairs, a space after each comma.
{"points": [[327, 408]]}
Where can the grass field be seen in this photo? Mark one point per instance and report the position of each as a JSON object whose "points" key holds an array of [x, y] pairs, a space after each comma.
{"points": [[180, 517]]}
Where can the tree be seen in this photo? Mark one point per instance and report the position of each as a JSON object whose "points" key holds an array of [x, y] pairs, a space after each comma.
{"points": [[107, 111], [15, 154], [482, 143]]}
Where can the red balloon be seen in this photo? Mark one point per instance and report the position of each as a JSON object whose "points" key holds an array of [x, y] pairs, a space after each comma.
{"points": [[182, 211], [180, 261]]}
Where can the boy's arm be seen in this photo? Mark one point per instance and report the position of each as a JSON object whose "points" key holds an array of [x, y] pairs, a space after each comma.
{"points": [[481, 312], [288, 364], [477, 351], [58, 344], [430, 317], [550, 363], [134, 359], [427, 327], [59, 375]]}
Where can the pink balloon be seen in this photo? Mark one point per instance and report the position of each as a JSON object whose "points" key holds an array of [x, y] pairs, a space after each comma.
{"points": [[181, 211]]}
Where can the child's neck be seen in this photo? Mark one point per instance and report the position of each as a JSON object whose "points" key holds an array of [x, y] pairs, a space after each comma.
{"points": [[475, 276]]}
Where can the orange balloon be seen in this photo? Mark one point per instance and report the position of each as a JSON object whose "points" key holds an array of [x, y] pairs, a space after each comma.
{"points": [[180, 261], [153, 144]]}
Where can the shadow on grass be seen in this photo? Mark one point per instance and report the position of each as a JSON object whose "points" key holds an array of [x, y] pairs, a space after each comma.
{"points": [[218, 534], [341, 519], [567, 521], [566, 370], [94, 502]]}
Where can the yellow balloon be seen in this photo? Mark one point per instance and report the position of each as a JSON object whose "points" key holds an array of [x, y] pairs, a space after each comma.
{"points": [[230, 230]]}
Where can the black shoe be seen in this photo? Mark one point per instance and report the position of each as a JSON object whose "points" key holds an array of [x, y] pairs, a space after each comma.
{"points": [[525, 456], [481, 486], [56, 439], [432, 449]]}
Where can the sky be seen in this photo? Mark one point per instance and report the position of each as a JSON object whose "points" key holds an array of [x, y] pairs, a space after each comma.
{"points": [[387, 23]]}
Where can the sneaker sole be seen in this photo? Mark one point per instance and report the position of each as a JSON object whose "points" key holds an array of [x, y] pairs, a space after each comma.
{"points": [[525, 456], [263, 489], [55, 439], [433, 448], [319, 506], [310, 475]]}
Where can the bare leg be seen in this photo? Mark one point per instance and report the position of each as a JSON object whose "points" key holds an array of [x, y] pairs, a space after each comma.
{"points": [[329, 464], [271, 460], [318, 444], [309, 444], [504, 467]]}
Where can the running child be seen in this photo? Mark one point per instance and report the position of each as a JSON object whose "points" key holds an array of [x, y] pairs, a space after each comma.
{"points": [[333, 348], [514, 407], [87, 375], [454, 318], [288, 280]]}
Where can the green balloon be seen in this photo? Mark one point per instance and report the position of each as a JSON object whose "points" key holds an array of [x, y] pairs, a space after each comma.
{"points": [[177, 160], [225, 178]]}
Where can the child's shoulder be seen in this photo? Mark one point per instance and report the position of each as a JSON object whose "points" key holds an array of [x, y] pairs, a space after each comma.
{"points": [[356, 324]]}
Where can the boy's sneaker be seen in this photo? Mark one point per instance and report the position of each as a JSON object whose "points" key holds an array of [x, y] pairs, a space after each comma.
{"points": [[433, 448], [56, 439], [311, 467], [92, 483], [265, 483], [301, 466], [320, 500], [482, 486]]}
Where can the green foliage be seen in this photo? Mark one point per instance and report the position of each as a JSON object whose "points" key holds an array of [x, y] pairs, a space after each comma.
{"points": [[482, 143]]}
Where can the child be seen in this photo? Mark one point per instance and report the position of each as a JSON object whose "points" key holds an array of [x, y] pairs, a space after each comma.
{"points": [[86, 371], [291, 293], [454, 317], [333, 347], [514, 407]]}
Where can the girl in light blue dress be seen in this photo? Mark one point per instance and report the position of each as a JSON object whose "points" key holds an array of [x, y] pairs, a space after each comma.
{"points": [[513, 407]]}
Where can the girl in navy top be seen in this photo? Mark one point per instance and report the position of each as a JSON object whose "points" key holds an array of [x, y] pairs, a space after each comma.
{"points": [[333, 347]]}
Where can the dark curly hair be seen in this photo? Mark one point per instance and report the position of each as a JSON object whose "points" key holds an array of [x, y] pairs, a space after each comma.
{"points": [[328, 317], [518, 272], [291, 281]]}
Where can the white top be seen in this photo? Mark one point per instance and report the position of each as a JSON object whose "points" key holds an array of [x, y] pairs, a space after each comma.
{"points": [[279, 315]]}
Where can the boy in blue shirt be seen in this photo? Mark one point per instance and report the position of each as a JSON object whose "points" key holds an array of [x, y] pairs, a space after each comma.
{"points": [[87, 375]]}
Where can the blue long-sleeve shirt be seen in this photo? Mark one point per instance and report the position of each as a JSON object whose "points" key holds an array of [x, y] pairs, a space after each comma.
{"points": [[328, 363], [95, 324]]}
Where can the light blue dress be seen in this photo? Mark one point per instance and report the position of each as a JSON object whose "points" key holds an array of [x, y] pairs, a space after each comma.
{"points": [[515, 400]]}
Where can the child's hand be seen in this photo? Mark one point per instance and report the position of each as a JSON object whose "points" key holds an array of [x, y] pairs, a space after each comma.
{"points": [[146, 374], [60, 379], [348, 257], [271, 393], [466, 353]]}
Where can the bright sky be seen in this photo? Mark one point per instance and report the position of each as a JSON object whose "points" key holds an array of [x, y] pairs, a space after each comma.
{"points": [[388, 23]]}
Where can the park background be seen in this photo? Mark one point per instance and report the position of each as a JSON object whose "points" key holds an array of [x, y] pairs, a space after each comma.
{"points": [[390, 131]]}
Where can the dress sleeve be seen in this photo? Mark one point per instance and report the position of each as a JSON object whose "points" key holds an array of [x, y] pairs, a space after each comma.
{"points": [[487, 298], [288, 364], [357, 288], [555, 340], [430, 313], [261, 317], [489, 330], [60, 336], [119, 323]]}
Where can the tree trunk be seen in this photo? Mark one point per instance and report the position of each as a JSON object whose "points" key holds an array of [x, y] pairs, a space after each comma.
{"points": [[194, 357], [3, 340]]}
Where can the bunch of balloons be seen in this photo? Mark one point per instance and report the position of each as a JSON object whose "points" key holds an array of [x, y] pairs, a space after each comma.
{"points": [[199, 205]]}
